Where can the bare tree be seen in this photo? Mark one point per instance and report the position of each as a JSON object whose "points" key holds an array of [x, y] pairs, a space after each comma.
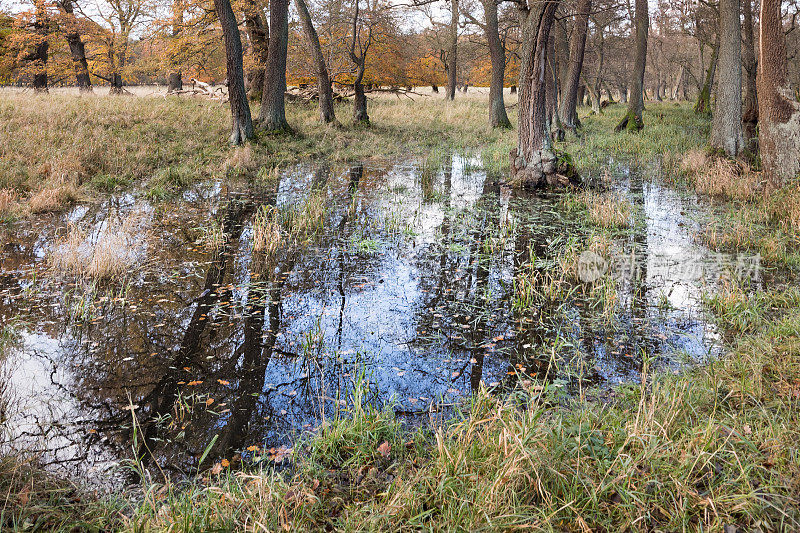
{"points": [[452, 54], [37, 58], [498, 118], [359, 46], [258, 35], [175, 78], [750, 102]]}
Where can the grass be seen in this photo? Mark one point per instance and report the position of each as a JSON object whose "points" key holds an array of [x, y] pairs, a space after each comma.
{"points": [[107, 253], [717, 446], [608, 210], [163, 144]]}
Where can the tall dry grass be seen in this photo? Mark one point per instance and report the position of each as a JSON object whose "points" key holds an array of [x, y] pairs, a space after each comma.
{"points": [[107, 254]]}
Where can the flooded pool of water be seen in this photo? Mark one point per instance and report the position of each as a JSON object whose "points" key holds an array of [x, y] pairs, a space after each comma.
{"points": [[408, 290]]}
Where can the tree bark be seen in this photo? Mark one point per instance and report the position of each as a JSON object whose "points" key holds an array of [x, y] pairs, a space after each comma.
{"points": [[577, 49], [76, 47], [272, 116], [258, 34], [175, 79], [632, 121], [750, 101], [778, 110], [533, 163], [41, 48], [116, 84], [551, 93], [497, 107], [326, 112], [242, 123], [726, 126], [452, 70]]}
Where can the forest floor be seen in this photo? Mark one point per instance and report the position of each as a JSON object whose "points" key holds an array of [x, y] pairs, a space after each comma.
{"points": [[713, 447]]}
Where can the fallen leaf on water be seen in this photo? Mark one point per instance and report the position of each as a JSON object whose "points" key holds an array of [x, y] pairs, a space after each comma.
{"points": [[384, 449]]}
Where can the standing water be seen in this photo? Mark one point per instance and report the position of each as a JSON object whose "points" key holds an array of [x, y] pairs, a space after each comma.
{"points": [[408, 289]]}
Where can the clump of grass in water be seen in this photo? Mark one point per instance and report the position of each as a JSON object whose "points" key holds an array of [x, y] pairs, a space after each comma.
{"points": [[607, 210], [305, 221], [543, 282], [105, 256], [266, 231]]}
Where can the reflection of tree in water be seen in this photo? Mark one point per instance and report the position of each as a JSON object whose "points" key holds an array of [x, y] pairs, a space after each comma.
{"points": [[457, 307]]}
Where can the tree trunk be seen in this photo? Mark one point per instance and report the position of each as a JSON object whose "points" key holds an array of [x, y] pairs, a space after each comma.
{"points": [[577, 48], [497, 107], [778, 109], [326, 112], [174, 82], [703, 104], [750, 102], [726, 126], [360, 115], [452, 70], [116, 84], [258, 34], [676, 88], [76, 48], [39, 56], [555, 127], [174, 79], [242, 123], [272, 116], [632, 121], [533, 163]]}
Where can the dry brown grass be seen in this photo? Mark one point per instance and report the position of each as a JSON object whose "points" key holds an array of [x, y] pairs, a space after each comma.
{"points": [[53, 197], [8, 203], [240, 159], [266, 232], [784, 206], [721, 177], [105, 256], [694, 161], [607, 209]]}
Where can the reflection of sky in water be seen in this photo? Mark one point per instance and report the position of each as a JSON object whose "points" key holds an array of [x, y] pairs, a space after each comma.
{"points": [[399, 288]]}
